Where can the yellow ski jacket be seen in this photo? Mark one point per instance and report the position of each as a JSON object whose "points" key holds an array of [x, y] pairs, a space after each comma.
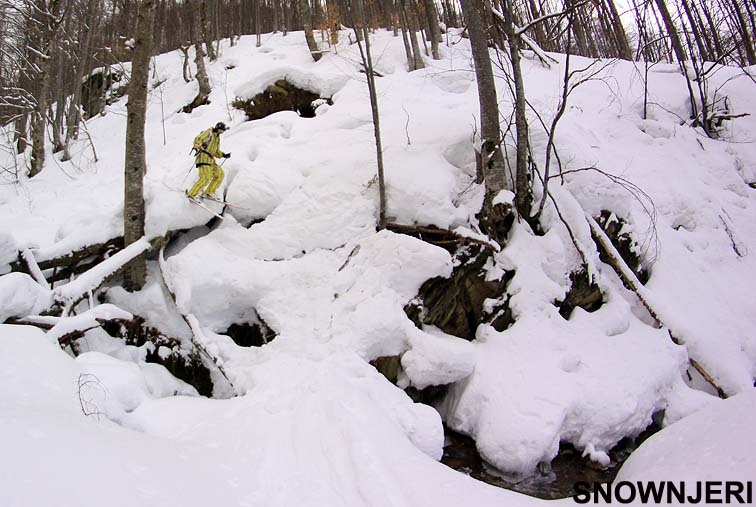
{"points": [[207, 145]]}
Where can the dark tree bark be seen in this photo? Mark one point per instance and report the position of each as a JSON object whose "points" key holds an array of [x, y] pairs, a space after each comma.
{"points": [[206, 35], [674, 36], [434, 30], [135, 164]]}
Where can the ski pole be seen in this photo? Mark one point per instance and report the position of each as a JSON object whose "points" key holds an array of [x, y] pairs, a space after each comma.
{"points": [[187, 173]]}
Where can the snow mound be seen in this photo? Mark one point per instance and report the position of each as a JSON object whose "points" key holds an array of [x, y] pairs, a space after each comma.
{"points": [[21, 295], [715, 444]]}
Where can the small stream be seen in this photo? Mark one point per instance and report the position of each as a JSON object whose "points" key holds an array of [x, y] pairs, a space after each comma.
{"points": [[556, 481]]}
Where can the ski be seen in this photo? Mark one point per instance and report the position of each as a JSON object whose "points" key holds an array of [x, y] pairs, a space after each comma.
{"points": [[225, 203], [219, 201], [202, 205]]}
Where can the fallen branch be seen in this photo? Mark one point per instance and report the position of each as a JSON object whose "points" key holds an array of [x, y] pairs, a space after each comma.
{"points": [[445, 236], [631, 282], [34, 271], [74, 262], [64, 330], [91, 280]]}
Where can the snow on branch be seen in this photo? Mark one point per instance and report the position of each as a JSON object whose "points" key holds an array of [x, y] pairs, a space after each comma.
{"points": [[67, 328], [527, 40], [34, 270], [92, 279]]}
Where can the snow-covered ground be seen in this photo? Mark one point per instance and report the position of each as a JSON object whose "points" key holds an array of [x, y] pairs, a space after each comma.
{"points": [[313, 422]]}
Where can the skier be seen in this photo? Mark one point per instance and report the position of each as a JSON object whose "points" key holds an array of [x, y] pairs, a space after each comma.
{"points": [[207, 148]]}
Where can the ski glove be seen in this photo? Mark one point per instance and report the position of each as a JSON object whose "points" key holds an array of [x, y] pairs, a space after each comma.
{"points": [[226, 155]]}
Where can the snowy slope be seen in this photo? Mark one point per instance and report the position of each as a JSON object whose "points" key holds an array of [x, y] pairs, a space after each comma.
{"points": [[315, 270]]}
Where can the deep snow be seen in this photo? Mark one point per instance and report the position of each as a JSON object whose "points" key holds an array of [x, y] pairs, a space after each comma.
{"points": [[314, 423]]}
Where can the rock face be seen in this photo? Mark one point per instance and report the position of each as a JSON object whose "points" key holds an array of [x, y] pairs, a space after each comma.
{"points": [[583, 293], [456, 304], [96, 91], [280, 96], [629, 249], [182, 363]]}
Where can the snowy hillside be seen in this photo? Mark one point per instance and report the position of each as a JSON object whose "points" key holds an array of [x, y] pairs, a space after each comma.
{"points": [[305, 419]]}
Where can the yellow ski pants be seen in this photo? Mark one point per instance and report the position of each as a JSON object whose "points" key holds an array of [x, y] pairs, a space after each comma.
{"points": [[210, 178]]}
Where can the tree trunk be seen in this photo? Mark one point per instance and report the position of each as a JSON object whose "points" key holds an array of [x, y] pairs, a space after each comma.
{"points": [[39, 116], [258, 24], [205, 26], [417, 62], [185, 71], [367, 61], [306, 13], [696, 34], [623, 45], [405, 39], [523, 192], [22, 127], [490, 164], [135, 164], [434, 30], [672, 31], [744, 36]]}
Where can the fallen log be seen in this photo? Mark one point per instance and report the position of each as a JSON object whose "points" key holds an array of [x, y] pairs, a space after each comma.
{"points": [[631, 282], [437, 236]]}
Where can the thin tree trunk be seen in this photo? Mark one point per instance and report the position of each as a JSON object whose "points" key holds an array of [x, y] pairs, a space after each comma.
{"points": [[672, 31], [523, 192], [619, 32], [39, 116], [368, 63], [744, 36], [306, 13], [409, 19], [434, 30], [135, 164], [405, 39], [205, 27], [258, 23], [696, 34]]}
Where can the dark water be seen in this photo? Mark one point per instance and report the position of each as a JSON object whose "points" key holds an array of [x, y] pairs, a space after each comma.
{"points": [[549, 482]]}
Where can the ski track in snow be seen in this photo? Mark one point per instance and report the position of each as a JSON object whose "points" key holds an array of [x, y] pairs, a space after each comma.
{"points": [[315, 424]]}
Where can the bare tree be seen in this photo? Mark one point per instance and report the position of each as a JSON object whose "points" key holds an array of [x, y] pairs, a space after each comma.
{"points": [[306, 13], [490, 160], [367, 63], [135, 164]]}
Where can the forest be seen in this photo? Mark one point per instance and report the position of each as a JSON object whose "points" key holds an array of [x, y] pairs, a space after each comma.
{"points": [[374, 252]]}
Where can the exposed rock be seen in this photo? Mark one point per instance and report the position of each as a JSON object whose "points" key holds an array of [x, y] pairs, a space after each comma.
{"points": [[629, 249], [583, 293], [182, 364], [280, 96], [250, 334], [456, 304], [97, 90]]}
